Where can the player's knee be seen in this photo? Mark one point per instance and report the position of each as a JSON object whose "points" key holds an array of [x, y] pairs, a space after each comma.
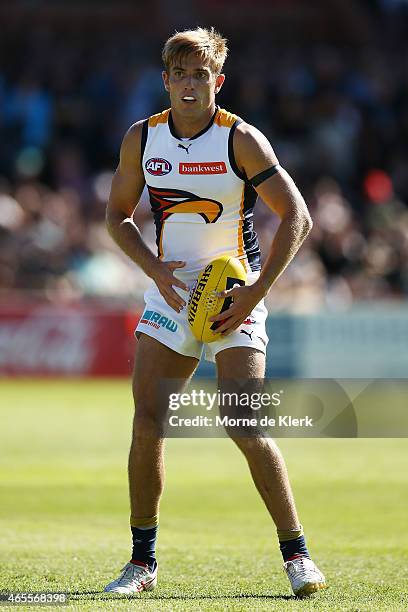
{"points": [[246, 440], [240, 423], [245, 437], [148, 424]]}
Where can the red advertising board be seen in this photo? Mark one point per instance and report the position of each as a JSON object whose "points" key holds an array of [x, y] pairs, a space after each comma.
{"points": [[49, 340]]}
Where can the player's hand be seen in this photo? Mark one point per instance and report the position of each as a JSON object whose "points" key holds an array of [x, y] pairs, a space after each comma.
{"points": [[165, 280], [244, 301]]}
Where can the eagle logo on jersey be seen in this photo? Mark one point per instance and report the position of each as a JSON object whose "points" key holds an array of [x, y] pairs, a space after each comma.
{"points": [[166, 202]]}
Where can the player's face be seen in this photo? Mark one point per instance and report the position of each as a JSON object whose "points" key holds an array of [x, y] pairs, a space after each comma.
{"points": [[192, 87]]}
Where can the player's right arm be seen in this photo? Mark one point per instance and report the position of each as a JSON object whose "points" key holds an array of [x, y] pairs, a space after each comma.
{"points": [[127, 186]]}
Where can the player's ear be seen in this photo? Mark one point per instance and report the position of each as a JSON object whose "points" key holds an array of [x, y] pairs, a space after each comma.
{"points": [[219, 82], [165, 77]]}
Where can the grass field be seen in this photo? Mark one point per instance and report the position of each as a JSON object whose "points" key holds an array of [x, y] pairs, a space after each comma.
{"points": [[64, 511]]}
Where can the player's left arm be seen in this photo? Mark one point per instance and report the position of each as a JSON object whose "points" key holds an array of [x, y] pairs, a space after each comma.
{"points": [[256, 159]]}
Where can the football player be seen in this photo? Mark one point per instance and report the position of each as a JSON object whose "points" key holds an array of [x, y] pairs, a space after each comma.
{"points": [[204, 168]]}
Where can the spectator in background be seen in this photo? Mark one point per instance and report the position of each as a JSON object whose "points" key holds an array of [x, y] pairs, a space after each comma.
{"points": [[28, 112], [337, 113]]}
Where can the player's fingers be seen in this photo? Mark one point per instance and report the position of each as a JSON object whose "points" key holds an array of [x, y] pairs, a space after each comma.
{"points": [[173, 295], [226, 293], [172, 299], [167, 291], [230, 329], [235, 327], [231, 311], [227, 326], [179, 283], [173, 304], [173, 265]]}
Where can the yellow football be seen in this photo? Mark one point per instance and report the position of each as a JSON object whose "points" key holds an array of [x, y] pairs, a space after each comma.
{"points": [[222, 273]]}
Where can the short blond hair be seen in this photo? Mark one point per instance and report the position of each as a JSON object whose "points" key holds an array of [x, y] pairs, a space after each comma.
{"points": [[207, 44]]}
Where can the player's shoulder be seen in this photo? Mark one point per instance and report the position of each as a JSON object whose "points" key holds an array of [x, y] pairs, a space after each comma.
{"points": [[159, 118], [134, 141], [250, 142], [134, 133], [225, 118], [245, 135], [130, 150], [248, 135], [243, 130]]}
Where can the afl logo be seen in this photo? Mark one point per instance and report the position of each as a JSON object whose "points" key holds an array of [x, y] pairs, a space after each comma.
{"points": [[158, 166]]}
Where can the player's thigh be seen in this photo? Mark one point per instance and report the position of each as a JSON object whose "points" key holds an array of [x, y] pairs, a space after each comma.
{"points": [[155, 365], [240, 362], [241, 372]]}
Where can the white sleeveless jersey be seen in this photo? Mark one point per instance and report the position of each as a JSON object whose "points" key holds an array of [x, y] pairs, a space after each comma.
{"points": [[201, 202]]}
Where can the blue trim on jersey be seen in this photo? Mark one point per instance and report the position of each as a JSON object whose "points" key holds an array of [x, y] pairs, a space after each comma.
{"points": [[250, 237], [231, 154], [174, 133], [145, 130]]}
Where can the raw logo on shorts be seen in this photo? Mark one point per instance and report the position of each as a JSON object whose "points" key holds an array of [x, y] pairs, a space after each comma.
{"points": [[157, 320]]}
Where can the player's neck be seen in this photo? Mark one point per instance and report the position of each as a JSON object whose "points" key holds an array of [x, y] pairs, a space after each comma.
{"points": [[187, 127]]}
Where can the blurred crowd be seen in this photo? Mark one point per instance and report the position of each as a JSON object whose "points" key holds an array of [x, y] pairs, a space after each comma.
{"points": [[337, 116]]}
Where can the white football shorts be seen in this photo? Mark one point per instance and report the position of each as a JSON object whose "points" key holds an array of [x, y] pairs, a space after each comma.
{"points": [[172, 329]]}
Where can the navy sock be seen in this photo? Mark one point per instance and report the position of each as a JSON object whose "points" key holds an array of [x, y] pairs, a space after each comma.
{"points": [[144, 545], [294, 548]]}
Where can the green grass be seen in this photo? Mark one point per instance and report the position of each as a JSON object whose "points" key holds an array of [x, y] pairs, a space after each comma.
{"points": [[64, 511]]}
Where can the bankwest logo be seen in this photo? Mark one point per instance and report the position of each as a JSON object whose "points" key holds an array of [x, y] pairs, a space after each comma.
{"points": [[157, 320], [203, 168]]}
